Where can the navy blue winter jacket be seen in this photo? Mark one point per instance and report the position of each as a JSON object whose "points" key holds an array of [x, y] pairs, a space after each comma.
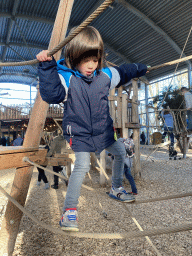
{"points": [[86, 111]]}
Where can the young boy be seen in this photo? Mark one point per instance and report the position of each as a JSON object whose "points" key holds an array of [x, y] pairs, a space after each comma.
{"points": [[82, 81]]}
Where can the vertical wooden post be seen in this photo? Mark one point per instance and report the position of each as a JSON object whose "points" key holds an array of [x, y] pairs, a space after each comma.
{"points": [[124, 115], [93, 162], [147, 113], [103, 164], [185, 143], [119, 106], [136, 132], [112, 106], [13, 215], [185, 146], [68, 169]]}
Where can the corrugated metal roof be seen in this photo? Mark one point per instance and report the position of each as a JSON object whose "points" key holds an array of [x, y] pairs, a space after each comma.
{"points": [[150, 32]]}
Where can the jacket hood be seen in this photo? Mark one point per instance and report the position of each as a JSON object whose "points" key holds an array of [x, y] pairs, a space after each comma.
{"points": [[62, 67]]}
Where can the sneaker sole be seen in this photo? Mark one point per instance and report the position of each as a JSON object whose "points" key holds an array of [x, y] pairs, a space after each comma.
{"points": [[73, 229], [119, 199]]}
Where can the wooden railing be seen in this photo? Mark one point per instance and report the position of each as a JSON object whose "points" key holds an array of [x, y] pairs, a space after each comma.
{"points": [[12, 113], [17, 112], [120, 111]]}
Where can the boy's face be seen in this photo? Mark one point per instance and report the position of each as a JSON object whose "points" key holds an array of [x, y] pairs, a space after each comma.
{"points": [[88, 65]]}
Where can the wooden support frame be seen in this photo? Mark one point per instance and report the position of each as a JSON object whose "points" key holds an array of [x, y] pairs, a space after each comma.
{"points": [[124, 116], [11, 221], [12, 157], [136, 131], [103, 164]]}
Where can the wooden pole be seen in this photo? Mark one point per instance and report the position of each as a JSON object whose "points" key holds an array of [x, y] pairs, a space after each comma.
{"points": [[185, 146], [136, 132], [112, 106], [124, 115], [13, 215], [103, 164], [119, 107], [185, 142]]}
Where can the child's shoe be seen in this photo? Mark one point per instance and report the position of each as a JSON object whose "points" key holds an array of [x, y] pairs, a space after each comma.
{"points": [[47, 186], [69, 220], [121, 195], [38, 183]]}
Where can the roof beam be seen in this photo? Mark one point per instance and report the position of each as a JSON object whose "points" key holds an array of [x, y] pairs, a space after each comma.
{"points": [[39, 47], [25, 17], [51, 22], [154, 26], [10, 27]]}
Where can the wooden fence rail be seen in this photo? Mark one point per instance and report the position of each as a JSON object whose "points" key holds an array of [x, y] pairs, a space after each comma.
{"points": [[15, 113], [56, 111]]}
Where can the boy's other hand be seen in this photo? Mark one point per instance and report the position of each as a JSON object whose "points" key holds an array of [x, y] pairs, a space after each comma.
{"points": [[42, 56]]}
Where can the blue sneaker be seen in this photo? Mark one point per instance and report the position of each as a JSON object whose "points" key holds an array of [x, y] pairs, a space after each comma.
{"points": [[69, 220], [121, 195]]}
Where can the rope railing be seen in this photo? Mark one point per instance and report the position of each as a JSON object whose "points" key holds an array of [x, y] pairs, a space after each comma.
{"points": [[170, 63], [26, 159], [123, 235]]}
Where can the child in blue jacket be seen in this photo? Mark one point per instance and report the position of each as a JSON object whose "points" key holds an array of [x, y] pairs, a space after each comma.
{"points": [[83, 84]]}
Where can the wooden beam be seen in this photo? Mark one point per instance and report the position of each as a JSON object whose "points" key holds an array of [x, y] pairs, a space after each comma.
{"points": [[112, 99], [103, 164], [11, 221], [53, 161], [132, 126], [14, 158], [119, 107], [136, 131], [124, 116]]}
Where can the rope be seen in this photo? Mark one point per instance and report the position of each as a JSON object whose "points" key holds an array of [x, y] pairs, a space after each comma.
{"points": [[92, 189], [26, 159], [162, 198], [174, 61], [84, 24], [170, 63], [124, 235], [125, 206]]}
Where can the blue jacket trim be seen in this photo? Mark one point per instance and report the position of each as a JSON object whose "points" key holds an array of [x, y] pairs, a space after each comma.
{"points": [[129, 71], [108, 72]]}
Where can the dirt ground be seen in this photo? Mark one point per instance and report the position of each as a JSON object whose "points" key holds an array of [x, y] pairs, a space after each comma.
{"points": [[159, 177]]}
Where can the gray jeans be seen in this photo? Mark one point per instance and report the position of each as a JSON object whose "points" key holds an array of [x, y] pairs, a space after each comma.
{"points": [[82, 166]]}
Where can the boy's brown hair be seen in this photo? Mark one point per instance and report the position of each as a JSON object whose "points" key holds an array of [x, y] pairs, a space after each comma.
{"points": [[86, 44]]}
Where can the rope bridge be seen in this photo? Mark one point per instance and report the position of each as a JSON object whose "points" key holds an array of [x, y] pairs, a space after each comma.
{"points": [[124, 235]]}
